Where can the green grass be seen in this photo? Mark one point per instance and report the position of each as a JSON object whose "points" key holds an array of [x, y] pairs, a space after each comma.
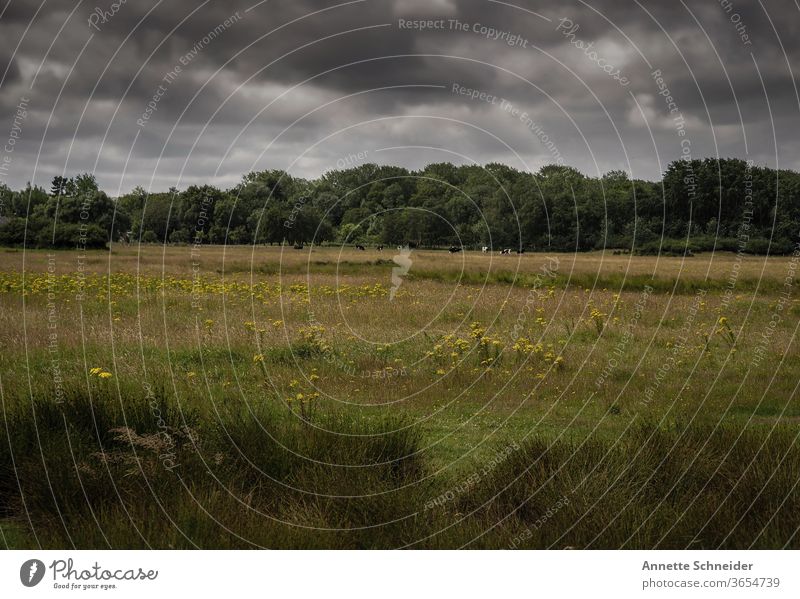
{"points": [[616, 281], [90, 467], [92, 473], [696, 487], [258, 419]]}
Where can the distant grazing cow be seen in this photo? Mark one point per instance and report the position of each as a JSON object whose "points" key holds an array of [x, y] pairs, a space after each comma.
{"points": [[380, 248], [521, 251], [505, 251], [485, 249], [360, 247], [454, 249], [298, 246]]}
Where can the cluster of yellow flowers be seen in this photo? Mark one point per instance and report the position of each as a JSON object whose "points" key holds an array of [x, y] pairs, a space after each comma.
{"points": [[454, 347], [302, 400], [524, 346], [124, 285], [357, 291], [251, 326], [476, 330], [314, 335], [489, 348], [100, 373], [597, 317], [726, 332]]}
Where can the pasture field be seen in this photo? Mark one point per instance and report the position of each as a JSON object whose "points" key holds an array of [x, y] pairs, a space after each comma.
{"points": [[174, 397]]}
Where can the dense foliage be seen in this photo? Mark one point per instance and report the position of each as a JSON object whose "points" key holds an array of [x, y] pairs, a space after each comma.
{"points": [[698, 205]]}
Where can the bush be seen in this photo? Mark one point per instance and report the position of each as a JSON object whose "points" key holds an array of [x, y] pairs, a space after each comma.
{"points": [[71, 236], [12, 232], [761, 246], [149, 237], [667, 247]]}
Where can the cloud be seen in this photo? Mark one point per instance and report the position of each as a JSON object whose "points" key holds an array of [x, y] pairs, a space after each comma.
{"points": [[303, 83]]}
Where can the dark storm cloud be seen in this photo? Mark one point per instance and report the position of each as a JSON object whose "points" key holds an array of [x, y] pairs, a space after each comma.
{"points": [[238, 103]]}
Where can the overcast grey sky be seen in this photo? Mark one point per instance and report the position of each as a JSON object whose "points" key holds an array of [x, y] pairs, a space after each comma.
{"points": [[306, 86]]}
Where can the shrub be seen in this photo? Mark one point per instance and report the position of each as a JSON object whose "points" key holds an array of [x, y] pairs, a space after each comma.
{"points": [[71, 236]]}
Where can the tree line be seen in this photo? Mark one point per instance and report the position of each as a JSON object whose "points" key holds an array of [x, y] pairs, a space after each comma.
{"points": [[723, 204]]}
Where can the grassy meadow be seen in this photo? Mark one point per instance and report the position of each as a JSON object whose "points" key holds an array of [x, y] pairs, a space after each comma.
{"points": [[246, 397]]}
